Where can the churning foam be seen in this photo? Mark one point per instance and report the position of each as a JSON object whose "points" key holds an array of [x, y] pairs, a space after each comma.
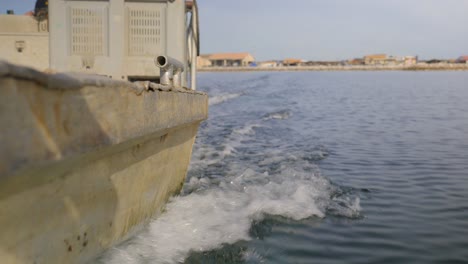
{"points": [[206, 218], [217, 211], [207, 154], [222, 98], [283, 114]]}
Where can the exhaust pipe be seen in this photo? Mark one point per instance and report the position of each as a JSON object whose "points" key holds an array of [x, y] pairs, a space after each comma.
{"points": [[170, 70]]}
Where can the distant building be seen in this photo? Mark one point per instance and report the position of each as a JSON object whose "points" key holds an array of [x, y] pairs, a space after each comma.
{"points": [[226, 59], [268, 64], [462, 59], [410, 60], [24, 40], [433, 61], [203, 61], [383, 59], [356, 61], [392, 60], [323, 63], [292, 62], [376, 59]]}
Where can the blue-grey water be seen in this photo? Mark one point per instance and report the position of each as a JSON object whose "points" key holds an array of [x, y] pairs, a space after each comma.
{"points": [[321, 167]]}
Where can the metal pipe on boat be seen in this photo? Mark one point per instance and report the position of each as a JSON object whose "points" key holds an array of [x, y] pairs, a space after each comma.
{"points": [[177, 78], [194, 45], [170, 70]]}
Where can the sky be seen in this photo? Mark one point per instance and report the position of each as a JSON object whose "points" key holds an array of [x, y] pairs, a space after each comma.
{"points": [[327, 29]]}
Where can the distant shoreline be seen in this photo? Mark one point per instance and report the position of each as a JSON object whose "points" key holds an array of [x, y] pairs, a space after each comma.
{"points": [[417, 67]]}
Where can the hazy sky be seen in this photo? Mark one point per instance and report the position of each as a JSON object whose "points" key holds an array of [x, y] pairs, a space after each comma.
{"points": [[335, 29], [327, 29]]}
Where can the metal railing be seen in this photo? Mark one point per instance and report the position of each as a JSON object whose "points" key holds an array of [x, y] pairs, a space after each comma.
{"points": [[193, 42]]}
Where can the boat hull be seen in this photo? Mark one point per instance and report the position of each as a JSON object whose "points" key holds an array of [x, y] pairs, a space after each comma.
{"points": [[85, 164]]}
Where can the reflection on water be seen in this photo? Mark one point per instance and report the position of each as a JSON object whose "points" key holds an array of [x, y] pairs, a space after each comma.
{"points": [[321, 167]]}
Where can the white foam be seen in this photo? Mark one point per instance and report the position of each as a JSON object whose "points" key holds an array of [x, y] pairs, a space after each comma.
{"points": [[247, 129], [231, 142], [223, 213], [217, 99], [346, 206], [283, 114], [220, 211]]}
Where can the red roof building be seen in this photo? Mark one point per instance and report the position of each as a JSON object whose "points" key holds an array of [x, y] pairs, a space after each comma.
{"points": [[462, 59]]}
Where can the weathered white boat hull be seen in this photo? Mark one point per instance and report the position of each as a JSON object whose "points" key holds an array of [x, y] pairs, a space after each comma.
{"points": [[83, 164]]}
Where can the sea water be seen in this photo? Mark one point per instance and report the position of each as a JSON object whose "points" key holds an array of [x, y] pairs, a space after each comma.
{"points": [[320, 167]]}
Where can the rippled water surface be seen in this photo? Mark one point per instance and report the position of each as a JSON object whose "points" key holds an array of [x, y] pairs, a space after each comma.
{"points": [[321, 167]]}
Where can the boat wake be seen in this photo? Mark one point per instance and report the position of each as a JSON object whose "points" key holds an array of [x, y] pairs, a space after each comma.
{"points": [[218, 99], [283, 114], [217, 212], [221, 209]]}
